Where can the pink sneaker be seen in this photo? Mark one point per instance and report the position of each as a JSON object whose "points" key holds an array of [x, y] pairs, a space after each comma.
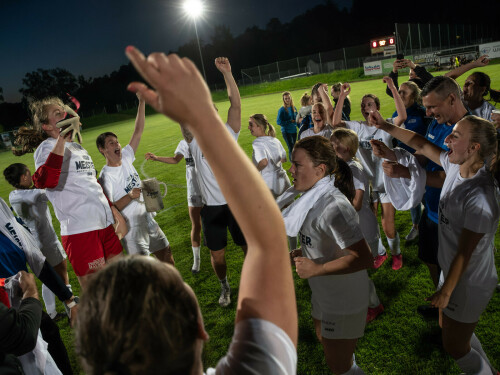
{"points": [[379, 260], [374, 312], [397, 262]]}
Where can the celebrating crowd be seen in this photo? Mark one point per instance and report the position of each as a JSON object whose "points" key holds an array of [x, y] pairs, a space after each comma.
{"points": [[136, 315]]}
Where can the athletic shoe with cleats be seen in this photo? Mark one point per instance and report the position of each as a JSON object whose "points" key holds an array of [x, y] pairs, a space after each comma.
{"points": [[397, 262], [412, 234], [373, 312], [379, 260], [225, 296]]}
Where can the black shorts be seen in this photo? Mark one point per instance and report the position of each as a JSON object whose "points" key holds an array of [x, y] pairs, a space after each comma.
{"points": [[428, 240], [216, 220]]}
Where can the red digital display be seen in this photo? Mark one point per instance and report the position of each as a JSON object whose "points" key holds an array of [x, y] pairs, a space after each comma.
{"points": [[374, 44], [391, 41]]}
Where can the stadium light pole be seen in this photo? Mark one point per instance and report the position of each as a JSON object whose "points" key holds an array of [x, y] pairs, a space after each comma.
{"points": [[194, 9]]}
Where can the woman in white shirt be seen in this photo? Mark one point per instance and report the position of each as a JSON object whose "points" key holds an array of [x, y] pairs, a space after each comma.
{"points": [[333, 256], [468, 219], [268, 154]]}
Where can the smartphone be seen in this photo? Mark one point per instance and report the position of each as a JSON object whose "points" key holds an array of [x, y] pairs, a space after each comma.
{"points": [[400, 56]]}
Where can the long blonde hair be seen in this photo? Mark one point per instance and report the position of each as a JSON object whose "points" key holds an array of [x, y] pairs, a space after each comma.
{"points": [[261, 121]]}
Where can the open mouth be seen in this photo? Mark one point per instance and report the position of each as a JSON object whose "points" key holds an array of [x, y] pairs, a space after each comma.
{"points": [[117, 151]]}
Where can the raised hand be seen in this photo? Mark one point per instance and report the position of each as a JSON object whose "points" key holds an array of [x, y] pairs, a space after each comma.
{"points": [[178, 86], [381, 150], [390, 82], [135, 193], [482, 61], [345, 89], [71, 125], [150, 156], [222, 63], [376, 119], [395, 170]]}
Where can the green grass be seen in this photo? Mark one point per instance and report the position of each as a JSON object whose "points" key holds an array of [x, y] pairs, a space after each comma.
{"points": [[398, 342]]}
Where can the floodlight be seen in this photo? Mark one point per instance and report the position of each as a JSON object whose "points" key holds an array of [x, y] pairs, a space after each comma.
{"points": [[193, 8]]}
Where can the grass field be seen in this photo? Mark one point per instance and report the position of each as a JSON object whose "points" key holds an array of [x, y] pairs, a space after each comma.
{"points": [[398, 342]]}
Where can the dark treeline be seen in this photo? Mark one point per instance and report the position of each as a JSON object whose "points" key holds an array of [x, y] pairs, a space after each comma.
{"points": [[322, 28]]}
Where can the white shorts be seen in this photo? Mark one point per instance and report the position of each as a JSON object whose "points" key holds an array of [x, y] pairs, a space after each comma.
{"points": [[380, 197], [195, 201], [144, 239], [467, 302], [339, 326]]}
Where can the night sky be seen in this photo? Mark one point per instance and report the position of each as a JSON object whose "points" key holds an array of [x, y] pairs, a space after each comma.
{"points": [[88, 37]]}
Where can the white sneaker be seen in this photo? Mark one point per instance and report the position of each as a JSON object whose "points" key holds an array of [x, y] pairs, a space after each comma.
{"points": [[412, 234], [225, 296]]}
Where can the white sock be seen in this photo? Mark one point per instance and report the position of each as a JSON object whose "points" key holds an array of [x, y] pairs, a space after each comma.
{"points": [[476, 345], [394, 244], [473, 363], [196, 258], [381, 247], [70, 288], [292, 241], [373, 300], [50, 301], [224, 282], [355, 369]]}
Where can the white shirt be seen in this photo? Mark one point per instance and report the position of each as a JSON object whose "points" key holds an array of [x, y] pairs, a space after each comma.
{"points": [[372, 165], [273, 173], [78, 200], [331, 226], [258, 347], [191, 181], [31, 206], [484, 111], [326, 132], [119, 181], [367, 219], [470, 203], [210, 190]]}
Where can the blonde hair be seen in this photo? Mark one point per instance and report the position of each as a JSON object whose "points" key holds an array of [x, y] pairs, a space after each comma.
{"points": [[263, 123], [415, 91], [291, 100], [348, 138], [305, 99]]}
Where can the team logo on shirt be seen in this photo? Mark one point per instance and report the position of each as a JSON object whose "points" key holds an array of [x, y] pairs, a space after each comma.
{"points": [[366, 145], [442, 219], [12, 231], [133, 181], [305, 240], [84, 166]]}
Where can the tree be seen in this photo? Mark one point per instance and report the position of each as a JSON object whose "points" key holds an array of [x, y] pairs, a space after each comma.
{"points": [[48, 82]]}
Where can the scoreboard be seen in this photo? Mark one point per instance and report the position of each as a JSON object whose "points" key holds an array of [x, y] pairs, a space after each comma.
{"points": [[385, 45]]}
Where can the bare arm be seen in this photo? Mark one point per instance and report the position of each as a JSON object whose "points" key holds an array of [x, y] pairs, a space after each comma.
{"points": [[359, 258], [164, 159], [325, 99], [412, 139], [234, 112], [466, 245], [435, 179], [457, 72], [139, 124], [357, 202], [124, 201], [337, 114], [266, 288], [400, 107], [262, 164]]}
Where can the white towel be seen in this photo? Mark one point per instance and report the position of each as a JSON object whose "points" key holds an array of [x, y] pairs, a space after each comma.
{"points": [[296, 213], [21, 237], [406, 193]]}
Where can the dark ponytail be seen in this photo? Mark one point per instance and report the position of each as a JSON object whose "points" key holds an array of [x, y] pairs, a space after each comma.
{"points": [[14, 172], [344, 179]]}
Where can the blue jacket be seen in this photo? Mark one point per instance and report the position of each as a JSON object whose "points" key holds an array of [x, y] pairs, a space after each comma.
{"points": [[284, 119]]}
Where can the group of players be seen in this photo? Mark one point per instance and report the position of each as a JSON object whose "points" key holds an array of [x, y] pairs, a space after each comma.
{"points": [[332, 219]]}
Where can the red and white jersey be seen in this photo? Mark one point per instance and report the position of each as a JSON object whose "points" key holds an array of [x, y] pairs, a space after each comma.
{"points": [[78, 199]]}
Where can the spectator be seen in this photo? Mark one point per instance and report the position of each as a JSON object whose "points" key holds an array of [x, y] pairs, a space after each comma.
{"points": [[286, 119], [418, 74]]}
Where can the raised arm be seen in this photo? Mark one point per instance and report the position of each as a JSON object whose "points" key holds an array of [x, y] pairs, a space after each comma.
{"points": [[325, 99], [234, 112], [396, 65], [164, 159], [457, 72], [400, 107], [266, 288], [139, 124], [345, 90], [412, 139]]}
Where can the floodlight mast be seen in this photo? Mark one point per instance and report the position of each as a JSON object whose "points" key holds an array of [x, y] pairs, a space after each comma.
{"points": [[194, 9]]}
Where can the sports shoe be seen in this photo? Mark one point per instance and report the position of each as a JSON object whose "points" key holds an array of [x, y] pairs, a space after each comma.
{"points": [[379, 260], [373, 312], [397, 262], [68, 310], [196, 267], [412, 234], [225, 295]]}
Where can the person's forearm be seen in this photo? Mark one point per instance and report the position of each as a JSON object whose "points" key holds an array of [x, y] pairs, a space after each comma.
{"points": [[47, 175], [262, 164], [123, 202], [167, 159], [435, 179], [347, 264], [139, 125], [400, 107], [232, 90], [54, 282], [457, 72], [394, 77], [337, 113]]}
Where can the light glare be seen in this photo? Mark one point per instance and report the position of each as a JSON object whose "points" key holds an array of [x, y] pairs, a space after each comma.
{"points": [[193, 8]]}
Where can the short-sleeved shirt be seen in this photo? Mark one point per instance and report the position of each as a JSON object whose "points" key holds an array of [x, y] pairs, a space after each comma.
{"points": [[474, 204], [210, 190], [367, 219], [331, 226], [273, 173], [78, 199], [415, 121], [191, 181], [436, 133], [258, 347], [484, 110], [119, 181], [372, 164]]}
